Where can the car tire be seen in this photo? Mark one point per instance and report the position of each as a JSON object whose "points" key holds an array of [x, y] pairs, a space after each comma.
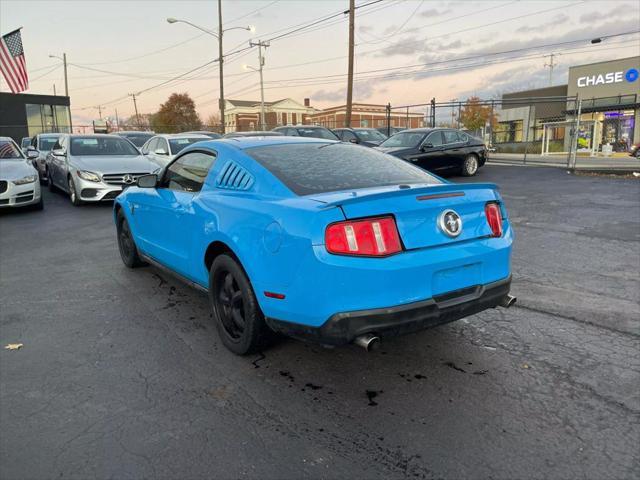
{"points": [[126, 243], [239, 320], [73, 194], [470, 165]]}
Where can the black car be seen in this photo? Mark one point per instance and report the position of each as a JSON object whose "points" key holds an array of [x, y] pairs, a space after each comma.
{"points": [[252, 134], [136, 137], [369, 137], [438, 149], [307, 131]]}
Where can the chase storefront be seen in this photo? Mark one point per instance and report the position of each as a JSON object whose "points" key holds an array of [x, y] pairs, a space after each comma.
{"points": [[609, 114]]}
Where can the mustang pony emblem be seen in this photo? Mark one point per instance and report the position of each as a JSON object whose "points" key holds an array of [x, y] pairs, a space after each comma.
{"points": [[450, 223]]}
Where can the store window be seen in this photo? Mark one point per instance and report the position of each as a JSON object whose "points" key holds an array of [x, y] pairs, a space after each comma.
{"points": [[47, 119]]}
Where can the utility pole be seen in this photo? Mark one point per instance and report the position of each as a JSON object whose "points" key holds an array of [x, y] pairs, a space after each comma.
{"points": [[99, 107], [453, 111], [135, 107], [260, 44], [221, 68], [54, 89], [551, 66], [66, 80], [352, 14], [117, 121]]}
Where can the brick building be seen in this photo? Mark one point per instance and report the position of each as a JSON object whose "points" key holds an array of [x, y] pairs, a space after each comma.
{"points": [[365, 115], [244, 115]]}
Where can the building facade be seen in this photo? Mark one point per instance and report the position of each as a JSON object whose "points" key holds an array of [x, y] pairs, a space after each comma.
{"points": [[26, 115], [366, 115], [244, 115], [600, 99]]}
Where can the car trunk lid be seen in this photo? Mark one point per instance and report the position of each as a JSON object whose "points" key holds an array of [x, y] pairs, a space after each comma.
{"points": [[417, 209]]}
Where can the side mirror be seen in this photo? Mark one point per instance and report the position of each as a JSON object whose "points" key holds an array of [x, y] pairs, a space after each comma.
{"points": [[59, 152], [426, 146], [147, 181], [32, 154], [160, 151]]}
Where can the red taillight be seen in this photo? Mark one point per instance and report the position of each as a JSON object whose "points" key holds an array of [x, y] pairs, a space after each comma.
{"points": [[375, 237], [494, 218]]}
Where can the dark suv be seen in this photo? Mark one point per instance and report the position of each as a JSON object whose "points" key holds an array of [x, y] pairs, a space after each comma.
{"points": [[368, 137], [438, 149]]}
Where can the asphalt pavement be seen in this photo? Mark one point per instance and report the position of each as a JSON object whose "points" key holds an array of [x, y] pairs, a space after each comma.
{"points": [[122, 374]]}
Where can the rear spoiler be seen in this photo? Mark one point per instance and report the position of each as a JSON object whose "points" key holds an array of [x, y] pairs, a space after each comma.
{"points": [[426, 192]]}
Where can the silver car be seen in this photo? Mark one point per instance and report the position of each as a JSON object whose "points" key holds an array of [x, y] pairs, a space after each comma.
{"points": [[93, 168], [42, 145], [163, 148], [19, 186]]}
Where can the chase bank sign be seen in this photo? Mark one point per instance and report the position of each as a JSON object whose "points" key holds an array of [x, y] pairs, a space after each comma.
{"points": [[608, 78]]}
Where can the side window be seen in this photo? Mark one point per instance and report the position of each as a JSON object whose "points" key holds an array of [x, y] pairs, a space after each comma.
{"points": [[188, 173], [450, 136], [348, 136], [435, 139], [34, 142], [293, 132], [153, 145], [463, 137]]}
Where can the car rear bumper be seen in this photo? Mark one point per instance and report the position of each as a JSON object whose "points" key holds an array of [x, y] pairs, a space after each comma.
{"points": [[345, 327]]}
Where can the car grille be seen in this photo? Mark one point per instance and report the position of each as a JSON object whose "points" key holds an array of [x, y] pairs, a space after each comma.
{"points": [[118, 178], [4, 201], [3, 186]]}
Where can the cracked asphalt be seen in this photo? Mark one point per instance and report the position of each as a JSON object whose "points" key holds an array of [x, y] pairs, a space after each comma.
{"points": [[122, 374]]}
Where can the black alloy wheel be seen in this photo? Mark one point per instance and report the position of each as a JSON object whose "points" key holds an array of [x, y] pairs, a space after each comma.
{"points": [[126, 244], [239, 320]]}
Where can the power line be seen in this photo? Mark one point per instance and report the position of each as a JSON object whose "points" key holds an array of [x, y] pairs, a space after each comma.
{"points": [[251, 12]]}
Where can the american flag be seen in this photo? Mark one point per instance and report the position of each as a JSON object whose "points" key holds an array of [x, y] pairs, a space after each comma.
{"points": [[12, 62]]}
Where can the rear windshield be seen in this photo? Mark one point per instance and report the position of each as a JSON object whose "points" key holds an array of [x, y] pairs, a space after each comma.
{"points": [[328, 167], [111, 145], [178, 144], [138, 139], [46, 143], [404, 139], [370, 134], [317, 133]]}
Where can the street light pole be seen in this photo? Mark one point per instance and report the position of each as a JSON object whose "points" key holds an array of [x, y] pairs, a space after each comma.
{"points": [[218, 36], [221, 67], [261, 45], [66, 84]]}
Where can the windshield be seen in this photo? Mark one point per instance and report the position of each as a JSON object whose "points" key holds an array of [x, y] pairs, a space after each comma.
{"points": [[46, 143], [25, 142], [370, 135], [328, 167], [317, 133], [404, 139], [177, 144], [112, 145], [9, 151], [138, 139]]}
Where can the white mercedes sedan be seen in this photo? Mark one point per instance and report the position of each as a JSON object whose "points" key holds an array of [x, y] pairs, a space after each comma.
{"points": [[19, 185]]}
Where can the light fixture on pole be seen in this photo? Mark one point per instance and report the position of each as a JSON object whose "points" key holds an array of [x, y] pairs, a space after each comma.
{"points": [[218, 36]]}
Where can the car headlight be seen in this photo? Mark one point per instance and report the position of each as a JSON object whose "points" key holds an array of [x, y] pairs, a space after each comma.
{"points": [[90, 176], [25, 180]]}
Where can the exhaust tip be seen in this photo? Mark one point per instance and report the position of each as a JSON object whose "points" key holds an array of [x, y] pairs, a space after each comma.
{"points": [[507, 301], [369, 342]]}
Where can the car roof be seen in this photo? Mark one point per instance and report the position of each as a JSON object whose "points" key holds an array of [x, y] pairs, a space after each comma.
{"points": [[250, 142], [133, 132], [50, 134], [182, 135], [303, 126]]}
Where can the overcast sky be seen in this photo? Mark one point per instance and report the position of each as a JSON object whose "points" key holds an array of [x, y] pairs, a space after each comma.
{"points": [[115, 48]]}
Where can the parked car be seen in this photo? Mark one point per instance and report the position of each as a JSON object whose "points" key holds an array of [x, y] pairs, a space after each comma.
{"points": [[42, 145], [307, 131], [252, 134], [318, 240], [163, 148], [138, 138], [634, 151], [368, 137], [390, 130], [24, 143], [213, 135], [19, 186], [438, 149], [94, 168]]}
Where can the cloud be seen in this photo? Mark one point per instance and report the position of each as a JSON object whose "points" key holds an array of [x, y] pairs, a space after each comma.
{"points": [[620, 11], [434, 12], [366, 28], [559, 20], [361, 91]]}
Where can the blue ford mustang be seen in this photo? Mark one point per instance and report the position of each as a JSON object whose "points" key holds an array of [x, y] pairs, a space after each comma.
{"points": [[318, 239]]}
